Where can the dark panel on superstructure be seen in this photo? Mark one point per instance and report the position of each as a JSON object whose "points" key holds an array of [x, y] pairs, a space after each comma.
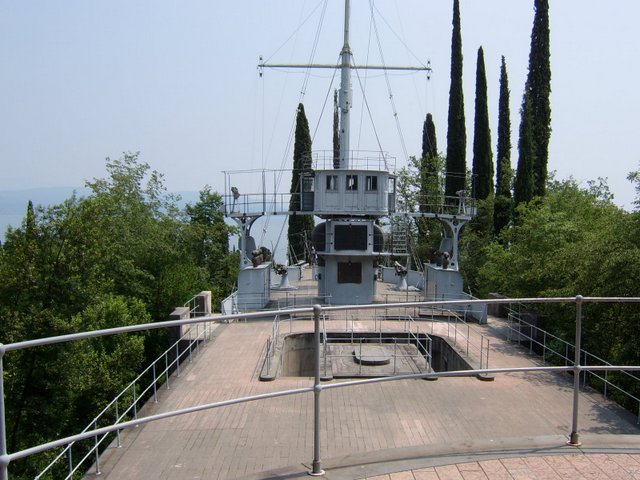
{"points": [[350, 237], [349, 272]]}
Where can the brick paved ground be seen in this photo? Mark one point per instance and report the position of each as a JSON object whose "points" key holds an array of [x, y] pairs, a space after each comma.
{"points": [[553, 467], [243, 440]]}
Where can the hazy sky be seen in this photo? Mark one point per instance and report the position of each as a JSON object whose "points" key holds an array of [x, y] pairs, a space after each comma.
{"points": [[177, 81]]}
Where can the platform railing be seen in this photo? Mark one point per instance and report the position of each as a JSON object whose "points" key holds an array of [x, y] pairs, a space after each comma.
{"points": [[555, 349], [126, 403], [459, 331], [316, 389]]}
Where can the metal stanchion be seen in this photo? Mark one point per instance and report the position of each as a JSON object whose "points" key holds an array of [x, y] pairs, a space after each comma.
{"points": [[316, 471], [4, 462], [574, 439]]}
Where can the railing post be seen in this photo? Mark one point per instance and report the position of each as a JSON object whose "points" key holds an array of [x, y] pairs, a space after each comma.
{"points": [[70, 460], [316, 471], [486, 364], [118, 444], [135, 403], [95, 426], [4, 462], [395, 345], [178, 359], [468, 333], [155, 388], [455, 331], [574, 439], [481, 347], [166, 370]]}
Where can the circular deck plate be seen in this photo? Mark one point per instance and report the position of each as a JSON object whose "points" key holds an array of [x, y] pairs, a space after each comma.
{"points": [[371, 355]]}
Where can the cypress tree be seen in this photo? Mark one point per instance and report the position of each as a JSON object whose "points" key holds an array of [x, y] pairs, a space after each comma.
{"points": [[524, 183], [430, 191], [482, 185], [539, 90], [456, 134], [503, 203], [428, 164], [429, 140], [300, 226]]}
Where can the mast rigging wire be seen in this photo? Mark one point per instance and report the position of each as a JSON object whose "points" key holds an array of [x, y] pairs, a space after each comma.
{"points": [[300, 98], [393, 104]]}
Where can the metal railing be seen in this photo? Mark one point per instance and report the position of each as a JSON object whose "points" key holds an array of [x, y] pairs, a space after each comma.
{"points": [[143, 387], [555, 349], [358, 160], [422, 340], [317, 388], [295, 300], [229, 305], [459, 331], [475, 311]]}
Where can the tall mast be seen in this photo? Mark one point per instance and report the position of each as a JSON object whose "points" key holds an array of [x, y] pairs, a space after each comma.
{"points": [[345, 95]]}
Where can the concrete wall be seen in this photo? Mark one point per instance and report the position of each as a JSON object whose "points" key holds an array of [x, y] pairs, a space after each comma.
{"points": [[446, 358], [298, 355]]}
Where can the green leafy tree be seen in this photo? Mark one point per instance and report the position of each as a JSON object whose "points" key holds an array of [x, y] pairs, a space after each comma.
{"points": [[503, 202], [456, 132], [634, 177], [209, 243], [125, 254], [300, 226], [574, 241], [538, 88], [482, 185]]}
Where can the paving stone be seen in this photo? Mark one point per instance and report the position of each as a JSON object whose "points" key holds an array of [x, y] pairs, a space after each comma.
{"points": [[249, 438]]}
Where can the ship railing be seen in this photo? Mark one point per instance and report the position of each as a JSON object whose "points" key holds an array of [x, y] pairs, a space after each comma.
{"points": [[229, 305], [441, 205], [271, 342], [144, 387], [473, 345], [556, 350], [295, 300], [273, 203], [199, 305], [99, 433], [260, 203], [358, 160], [473, 311]]}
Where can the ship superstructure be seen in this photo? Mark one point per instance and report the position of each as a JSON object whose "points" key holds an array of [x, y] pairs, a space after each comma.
{"points": [[349, 194]]}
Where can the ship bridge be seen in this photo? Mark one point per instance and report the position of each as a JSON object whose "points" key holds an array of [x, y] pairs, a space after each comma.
{"points": [[367, 188]]}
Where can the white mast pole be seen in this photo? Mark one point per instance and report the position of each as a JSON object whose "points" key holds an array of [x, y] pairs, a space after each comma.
{"points": [[345, 95]]}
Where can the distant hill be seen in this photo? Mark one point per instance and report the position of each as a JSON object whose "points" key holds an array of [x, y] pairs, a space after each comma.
{"points": [[13, 203]]}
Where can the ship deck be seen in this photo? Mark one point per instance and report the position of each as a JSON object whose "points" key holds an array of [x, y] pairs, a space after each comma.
{"points": [[454, 428]]}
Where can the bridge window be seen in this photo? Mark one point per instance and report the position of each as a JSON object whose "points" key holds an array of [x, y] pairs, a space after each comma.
{"points": [[307, 184], [392, 185], [332, 182], [371, 183], [349, 272], [352, 182]]}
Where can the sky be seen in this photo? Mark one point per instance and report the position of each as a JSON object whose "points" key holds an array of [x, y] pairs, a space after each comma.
{"points": [[177, 81]]}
